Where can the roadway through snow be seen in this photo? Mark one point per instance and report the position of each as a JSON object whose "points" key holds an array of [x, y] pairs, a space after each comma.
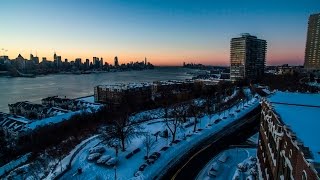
{"points": [[193, 161]]}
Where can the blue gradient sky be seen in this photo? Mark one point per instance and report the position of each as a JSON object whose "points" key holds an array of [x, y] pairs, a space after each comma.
{"points": [[168, 32]]}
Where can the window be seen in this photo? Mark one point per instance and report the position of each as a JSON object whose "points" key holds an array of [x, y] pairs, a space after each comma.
{"points": [[304, 175]]}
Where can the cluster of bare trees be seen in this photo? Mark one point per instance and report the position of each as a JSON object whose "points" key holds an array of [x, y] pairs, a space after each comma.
{"points": [[121, 131]]}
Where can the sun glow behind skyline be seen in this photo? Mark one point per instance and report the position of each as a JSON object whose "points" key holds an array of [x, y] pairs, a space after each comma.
{"points": [[166, 32]]}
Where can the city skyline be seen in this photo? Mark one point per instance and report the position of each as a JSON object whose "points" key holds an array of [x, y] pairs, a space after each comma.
{"points": [[167, 32]]}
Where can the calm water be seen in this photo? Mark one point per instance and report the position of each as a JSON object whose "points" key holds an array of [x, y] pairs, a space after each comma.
{"points": [[34, 89]]}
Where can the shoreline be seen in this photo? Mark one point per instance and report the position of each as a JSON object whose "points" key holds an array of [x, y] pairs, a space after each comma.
{"points": [[5, 75]]}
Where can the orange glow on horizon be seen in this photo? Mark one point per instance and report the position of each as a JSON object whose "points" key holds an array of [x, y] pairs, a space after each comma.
{"points": [[166, 58]]}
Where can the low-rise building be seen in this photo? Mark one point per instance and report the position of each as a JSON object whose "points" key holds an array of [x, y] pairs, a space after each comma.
{"points": [[142, 94], [67, 104], [27, 109], [114, 95], [289, 147], [12, 124], [55, 101]]}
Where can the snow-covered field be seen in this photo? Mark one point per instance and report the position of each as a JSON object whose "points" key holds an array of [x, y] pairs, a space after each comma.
{"points": [[126, 168]]}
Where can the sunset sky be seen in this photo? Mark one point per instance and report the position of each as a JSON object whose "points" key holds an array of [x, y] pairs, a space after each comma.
{"points": [[167, 32]]}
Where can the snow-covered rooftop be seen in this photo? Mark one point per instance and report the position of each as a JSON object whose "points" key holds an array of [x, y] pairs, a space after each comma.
{"points": [[301, 112], [123, 86]]}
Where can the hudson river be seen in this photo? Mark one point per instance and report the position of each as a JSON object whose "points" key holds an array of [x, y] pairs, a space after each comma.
{"points": [[34, 89]]}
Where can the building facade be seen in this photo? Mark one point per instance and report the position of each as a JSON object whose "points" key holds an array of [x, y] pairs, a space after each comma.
{"points": [[288, 147], [312, 51], [247, 56]]}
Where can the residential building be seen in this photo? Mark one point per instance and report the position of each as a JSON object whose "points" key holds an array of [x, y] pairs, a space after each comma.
{"points": [[312, 51], [289, 130], [12, 125], [247, 56], [116, 94], [27, 109]]}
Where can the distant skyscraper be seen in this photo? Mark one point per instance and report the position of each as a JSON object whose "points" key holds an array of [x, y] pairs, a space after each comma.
{"points": [[57, 60], [247, 56], [101, 62], [34, 59], [312, 52], [78, 62], [116, 62], [87, 63], [54, 56]]}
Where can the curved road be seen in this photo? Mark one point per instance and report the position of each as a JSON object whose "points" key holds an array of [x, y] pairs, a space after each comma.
{"points": [[190, 165]]}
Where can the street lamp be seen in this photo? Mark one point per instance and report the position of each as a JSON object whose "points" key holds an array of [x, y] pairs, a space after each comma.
{"points": [[115, 172]]}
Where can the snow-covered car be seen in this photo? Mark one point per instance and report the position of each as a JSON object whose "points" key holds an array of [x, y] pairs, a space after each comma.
{"points": [[112, 161], [93, 156], [242, 167], [253, 171], [254, 159], [103, 159], [236, 175], [155, 155], [137, 174], [217, 121], [150, 161], [213, 171], [223, 158], [97, 149], [142, 167]]}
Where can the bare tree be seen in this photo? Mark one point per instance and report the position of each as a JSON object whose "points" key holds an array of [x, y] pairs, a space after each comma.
{"points": [[176, 121], [210, 106], [149, 142], [34, 169], [122, 131], [195, 112]]}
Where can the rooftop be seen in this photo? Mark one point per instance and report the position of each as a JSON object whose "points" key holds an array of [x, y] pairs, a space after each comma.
{"points": [[301, 113], [123, 86]]}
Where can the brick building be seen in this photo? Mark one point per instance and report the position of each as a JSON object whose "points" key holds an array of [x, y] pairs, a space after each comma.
{"points": [[114, 95], [289, 147]]}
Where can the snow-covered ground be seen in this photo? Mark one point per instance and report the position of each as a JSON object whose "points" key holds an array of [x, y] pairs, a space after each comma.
{"points": [[13, 164], [226, 170], [126, 168], [61, 166]]}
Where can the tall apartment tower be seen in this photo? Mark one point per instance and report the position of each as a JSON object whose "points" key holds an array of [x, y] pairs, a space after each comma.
{"points": [[312, 52], [247, 56]]}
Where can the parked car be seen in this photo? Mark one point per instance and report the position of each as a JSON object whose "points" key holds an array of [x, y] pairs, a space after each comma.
{"points": [[164, 148], [217, 121], [156, 155], [142, 167], [150, 161], [112, 161], [103, 159], [213, 171], [97, 149], [223, 158], [93, 156], [243, 167]]}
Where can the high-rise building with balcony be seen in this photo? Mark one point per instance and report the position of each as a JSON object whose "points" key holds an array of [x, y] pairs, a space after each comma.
{"points": [[247, 56], [312, 52]]}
